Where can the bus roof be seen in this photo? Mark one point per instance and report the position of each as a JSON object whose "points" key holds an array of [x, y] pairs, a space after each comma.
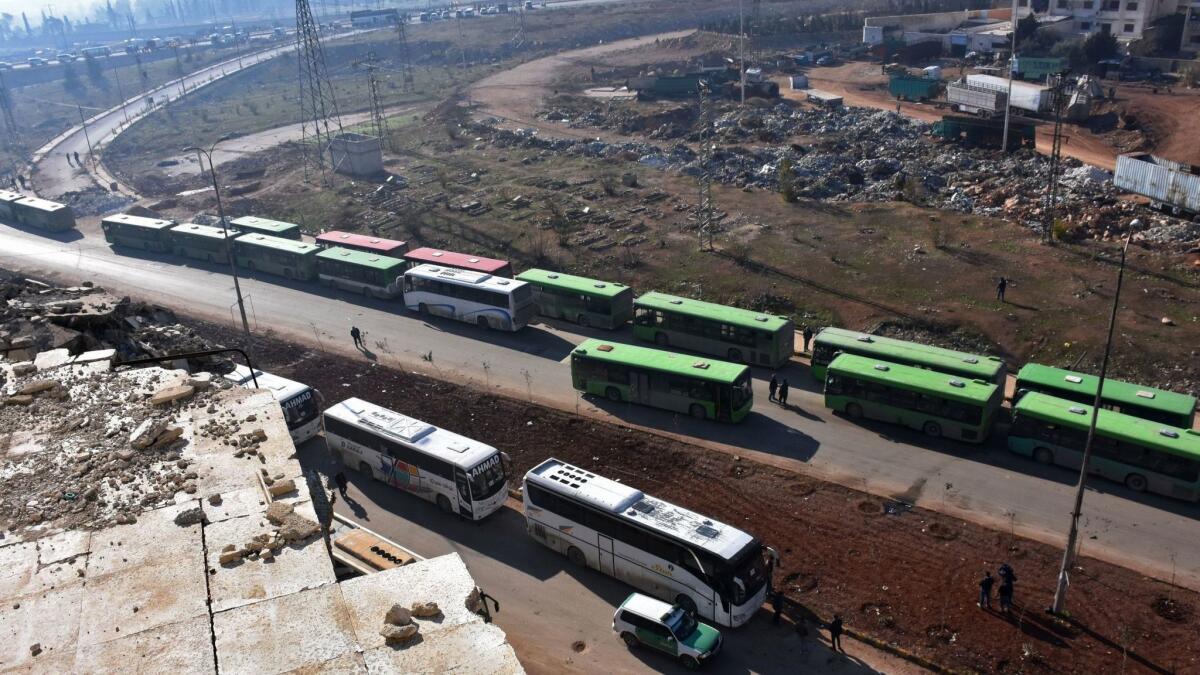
{"points": [[947, 386], [279, 243], [41, 204], [10, 196], [634, 506], [568, 282], [936, 358], [372, 260], [335, 237], [1114, 390], [463, 260], [701, 368], [263, 224], [1183, 442], [281, 387], [709, 310], [460, 451], [206, 231], [466, 277], [139, 221]]}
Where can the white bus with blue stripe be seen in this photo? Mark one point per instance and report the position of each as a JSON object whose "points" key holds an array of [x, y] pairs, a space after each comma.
{"points": [[472, 297], [301, 403]]}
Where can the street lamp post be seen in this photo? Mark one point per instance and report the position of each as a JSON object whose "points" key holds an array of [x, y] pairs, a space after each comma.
{"points": [[1068, 561], [212, 171]]}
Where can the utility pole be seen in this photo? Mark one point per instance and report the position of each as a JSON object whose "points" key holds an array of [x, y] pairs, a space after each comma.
{"points": [[1068, 561], [704, 207], [406, 70], [117, 77], [462, 47], [742, 51], [212, 171], [83, 120], [1012, 60], [1059, 98], [10, 122], [378, 123]]}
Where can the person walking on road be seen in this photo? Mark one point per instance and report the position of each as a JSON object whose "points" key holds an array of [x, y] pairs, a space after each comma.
{"points": [[985, 590], [357, 335], [807, 334], [783, 391], [772, 387], [342, 482], [836, 628], [1001, 286], [77, 162], [68, 156], [776, 606], [1007, 579]]}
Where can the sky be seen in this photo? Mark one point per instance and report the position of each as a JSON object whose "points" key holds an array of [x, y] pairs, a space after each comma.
{"points": [[33, 8]]}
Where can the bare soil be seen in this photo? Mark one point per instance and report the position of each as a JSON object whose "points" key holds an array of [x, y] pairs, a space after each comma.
{"points": [[903, 575]]}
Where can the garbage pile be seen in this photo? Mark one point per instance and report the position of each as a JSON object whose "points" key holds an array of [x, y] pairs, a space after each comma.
{"points": [[861, 154], [95, 202]]}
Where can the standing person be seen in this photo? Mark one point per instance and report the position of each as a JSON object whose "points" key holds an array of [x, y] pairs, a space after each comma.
{"points": [[342, 482], [807, 334], [357, 335], [1001, 286], [776, 606], [68, 156], [835, 633], [1007, 579], [77, 162], [772, 387], [783, 391], [985, 590]]}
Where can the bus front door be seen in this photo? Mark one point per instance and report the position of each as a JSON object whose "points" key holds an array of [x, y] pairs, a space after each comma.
{"points": [[724, 403], [464, 495], [641, 388], [606, 555]]}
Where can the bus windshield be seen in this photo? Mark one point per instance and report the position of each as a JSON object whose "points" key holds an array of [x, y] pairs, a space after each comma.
{"points": [[742, 393], [680, 622], [487, 478], [747, 571], [300, 409]]}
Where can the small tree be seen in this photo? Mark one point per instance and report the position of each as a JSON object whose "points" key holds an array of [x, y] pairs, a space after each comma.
{"points": [[1026, 28], [1100, 46], [787, 181], [95, 71], [71, 81]]}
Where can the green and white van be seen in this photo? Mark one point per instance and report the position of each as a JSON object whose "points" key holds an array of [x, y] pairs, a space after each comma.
{"points": [[643, 620]]}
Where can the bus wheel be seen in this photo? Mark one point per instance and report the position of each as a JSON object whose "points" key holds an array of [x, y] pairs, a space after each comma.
{"points": [[582, 321], [661, 339], [630, 640], [444, 504], [613, 394], [423, 309], [365, 469], [1136, 482], [1043, 456], [686, 604], [575, 557], [689, 662], [933, 429], [735, 355], [854, 410], [483, 322], [697, 411]]}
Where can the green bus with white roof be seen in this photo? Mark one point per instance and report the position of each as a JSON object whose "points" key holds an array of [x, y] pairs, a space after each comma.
{"points": [[148, 234], [201, 242], [702, 388], [587, 302], [275, 255], [729, 333], [1146, 456], [274, 228], [1148, 403], [368, 273], [833, 341], [938, 404]]}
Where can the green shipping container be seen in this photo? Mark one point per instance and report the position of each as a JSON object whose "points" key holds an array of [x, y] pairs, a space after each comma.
{"points": [[910, 88]]}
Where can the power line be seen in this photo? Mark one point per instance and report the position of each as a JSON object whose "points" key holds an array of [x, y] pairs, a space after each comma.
{"points": [[378, 123], [1059, 97], [317, 102]]}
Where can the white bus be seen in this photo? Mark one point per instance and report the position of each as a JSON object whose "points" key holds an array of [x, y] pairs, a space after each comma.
{"points": [[301, 407], [473, 297], [711, 569], [457, 473]]}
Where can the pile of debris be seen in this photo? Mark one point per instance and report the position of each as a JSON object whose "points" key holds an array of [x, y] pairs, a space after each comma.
{"points": [[95, 201]]}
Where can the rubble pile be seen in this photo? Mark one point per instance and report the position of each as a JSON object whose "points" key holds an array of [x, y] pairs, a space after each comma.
{"points": [[95, 201], [860, 154]]}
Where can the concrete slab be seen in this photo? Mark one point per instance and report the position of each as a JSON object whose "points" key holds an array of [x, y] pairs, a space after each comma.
{"points": [[294, 568], [155, 536], [132, 600], [50, 619], [183, 648], [63, 545], [298, 631], [18, 565], [51, 359], [463, 649]]}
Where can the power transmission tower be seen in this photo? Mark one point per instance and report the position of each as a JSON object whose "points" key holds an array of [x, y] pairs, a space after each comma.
{"points": [[406, 71], [10, 123], [1059, 98], [378, 123], [704, 208], [518, 39], [317, 103]]}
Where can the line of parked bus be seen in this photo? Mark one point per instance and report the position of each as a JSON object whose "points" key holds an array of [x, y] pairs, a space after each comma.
{"points": [[35, 212]]}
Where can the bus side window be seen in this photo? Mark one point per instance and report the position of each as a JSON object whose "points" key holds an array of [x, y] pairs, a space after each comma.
{"points": [[408, 284]]}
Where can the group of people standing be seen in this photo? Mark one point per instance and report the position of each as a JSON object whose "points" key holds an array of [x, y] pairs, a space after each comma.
{"points": [[1007, 579]]}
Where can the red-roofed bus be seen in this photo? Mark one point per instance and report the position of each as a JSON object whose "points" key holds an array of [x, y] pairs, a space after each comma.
{"points": [[363, 242], [432, 256]]}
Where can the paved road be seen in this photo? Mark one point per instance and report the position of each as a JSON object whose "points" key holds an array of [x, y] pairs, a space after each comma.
{"points": [[558, 617], [985, 484]]}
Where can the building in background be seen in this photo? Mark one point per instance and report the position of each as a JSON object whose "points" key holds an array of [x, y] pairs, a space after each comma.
{"points": [[1126, 19]]}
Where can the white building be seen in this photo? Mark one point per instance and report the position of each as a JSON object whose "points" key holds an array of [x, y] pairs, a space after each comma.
{"points": [[1126, 19], [1191, 28]]}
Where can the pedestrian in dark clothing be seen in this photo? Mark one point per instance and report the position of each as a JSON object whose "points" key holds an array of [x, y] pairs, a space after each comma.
{"points": [[783, 391], [776, 606], [1000, 288], [357, 335], [985, 590], [342, 482], [69, 162], [21, 180], [807, 334], [77, 162], [835, 633], [772, 387], [1007, 579]]}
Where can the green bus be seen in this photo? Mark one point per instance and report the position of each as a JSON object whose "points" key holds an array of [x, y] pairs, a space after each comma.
{"points": [[274, 228], [727, 332], [44, 214], [1155, 405], [833, 341], [368, 273], [148, 234], [701, 388], [935, 403], [1144, 455], [274, 255], [8, 203], [200, 242], [584, 301]]}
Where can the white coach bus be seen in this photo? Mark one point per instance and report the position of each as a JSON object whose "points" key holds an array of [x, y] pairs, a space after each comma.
{"points": [[457, 473], [473, 297], [711, 569], [301, 407]]}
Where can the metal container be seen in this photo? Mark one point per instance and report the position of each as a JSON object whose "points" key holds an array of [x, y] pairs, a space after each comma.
{"points": [[966, 98], [910, 88], [1032, 97], [1173, 186]]}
